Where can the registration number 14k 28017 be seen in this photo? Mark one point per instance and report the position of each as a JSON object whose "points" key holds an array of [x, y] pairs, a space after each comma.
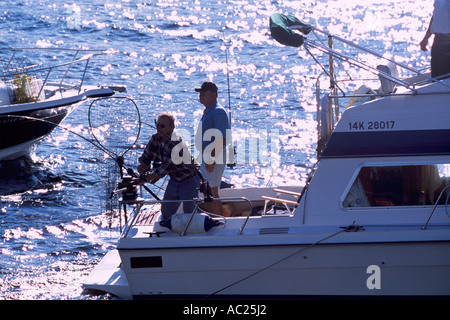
{"points": [[371, 125]]}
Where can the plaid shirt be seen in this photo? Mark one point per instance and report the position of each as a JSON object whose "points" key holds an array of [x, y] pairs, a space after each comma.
{"points": [[160, 152]]}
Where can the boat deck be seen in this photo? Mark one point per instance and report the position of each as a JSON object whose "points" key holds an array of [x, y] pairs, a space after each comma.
{"points": [[145, 218]]}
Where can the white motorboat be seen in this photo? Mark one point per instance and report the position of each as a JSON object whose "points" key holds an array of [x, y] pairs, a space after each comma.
{"points": [[372, 219], [35, 99]]}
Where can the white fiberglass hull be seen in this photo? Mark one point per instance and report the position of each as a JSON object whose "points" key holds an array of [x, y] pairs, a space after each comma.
{"points": [[109, 277], [290, 271]]}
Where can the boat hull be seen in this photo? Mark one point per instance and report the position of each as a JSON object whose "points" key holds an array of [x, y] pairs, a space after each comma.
{"points": [[22, 131], [295, 271], [108, 276], [24, 126]]}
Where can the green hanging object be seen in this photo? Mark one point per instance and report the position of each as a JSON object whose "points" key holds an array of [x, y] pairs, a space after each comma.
{"points": [[281, 29]]}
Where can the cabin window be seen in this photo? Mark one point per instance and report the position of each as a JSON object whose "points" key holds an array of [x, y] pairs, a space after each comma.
{"points": [[406, 185]]}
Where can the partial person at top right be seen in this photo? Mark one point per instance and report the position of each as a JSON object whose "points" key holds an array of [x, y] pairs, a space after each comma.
{"points": [[440, 27]]}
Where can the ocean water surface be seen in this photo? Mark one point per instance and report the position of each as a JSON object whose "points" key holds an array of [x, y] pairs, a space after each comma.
{"points": [[52, 227]]}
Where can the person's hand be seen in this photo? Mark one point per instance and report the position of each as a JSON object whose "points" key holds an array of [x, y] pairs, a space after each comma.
{"points": [[423, 44], [142, 167]]}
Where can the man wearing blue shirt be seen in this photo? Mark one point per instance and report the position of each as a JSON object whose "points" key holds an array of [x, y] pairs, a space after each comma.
{"points": [[213, 129]]}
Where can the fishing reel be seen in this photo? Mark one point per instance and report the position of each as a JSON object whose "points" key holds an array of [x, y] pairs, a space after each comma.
{"points": [[127, 186]]}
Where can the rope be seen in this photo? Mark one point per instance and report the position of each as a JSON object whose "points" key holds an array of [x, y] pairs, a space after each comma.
{"points": [[279, 261]]}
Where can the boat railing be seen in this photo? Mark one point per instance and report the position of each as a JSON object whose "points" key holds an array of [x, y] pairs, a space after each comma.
{"points": [[336, 95], [290, 31], [139, 203], [326, 121], [435, 205], [27, 80], [386, 68], [198, 201]]}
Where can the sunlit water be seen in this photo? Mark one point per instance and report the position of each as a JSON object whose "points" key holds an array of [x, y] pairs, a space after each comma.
{"points": [[52, 231]]}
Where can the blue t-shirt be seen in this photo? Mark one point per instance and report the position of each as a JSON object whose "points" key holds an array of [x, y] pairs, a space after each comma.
{"points": [[214, 117]]}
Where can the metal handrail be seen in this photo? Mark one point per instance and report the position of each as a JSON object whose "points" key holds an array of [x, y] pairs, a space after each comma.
{"points": [[8, 72], [84, 58], [89, 54], [357, 63], [362, 65], [248, 216], [140, 203], [198, 201], [434, 207]]}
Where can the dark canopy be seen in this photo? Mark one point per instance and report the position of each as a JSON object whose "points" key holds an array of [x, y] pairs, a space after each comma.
{"points": [[279, 29]]}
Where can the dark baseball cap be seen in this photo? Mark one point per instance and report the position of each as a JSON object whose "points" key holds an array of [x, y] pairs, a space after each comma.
{"points": [[207, 86]]}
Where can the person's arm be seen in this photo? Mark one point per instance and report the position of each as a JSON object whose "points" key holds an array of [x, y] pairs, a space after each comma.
{"points": [[220, 122], [424, 42], [162, 170], [167, 163], [148, 155]]}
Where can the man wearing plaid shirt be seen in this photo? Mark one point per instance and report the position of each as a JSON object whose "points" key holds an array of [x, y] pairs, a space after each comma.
{"points": [[166, 150]]}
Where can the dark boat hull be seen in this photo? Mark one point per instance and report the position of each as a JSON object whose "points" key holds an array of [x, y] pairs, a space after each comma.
{"points": [[21, 132], [23, 127]]}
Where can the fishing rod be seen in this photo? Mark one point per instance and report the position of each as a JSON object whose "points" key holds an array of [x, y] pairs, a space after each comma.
{"points": [[228, 76], [231, 148]]}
